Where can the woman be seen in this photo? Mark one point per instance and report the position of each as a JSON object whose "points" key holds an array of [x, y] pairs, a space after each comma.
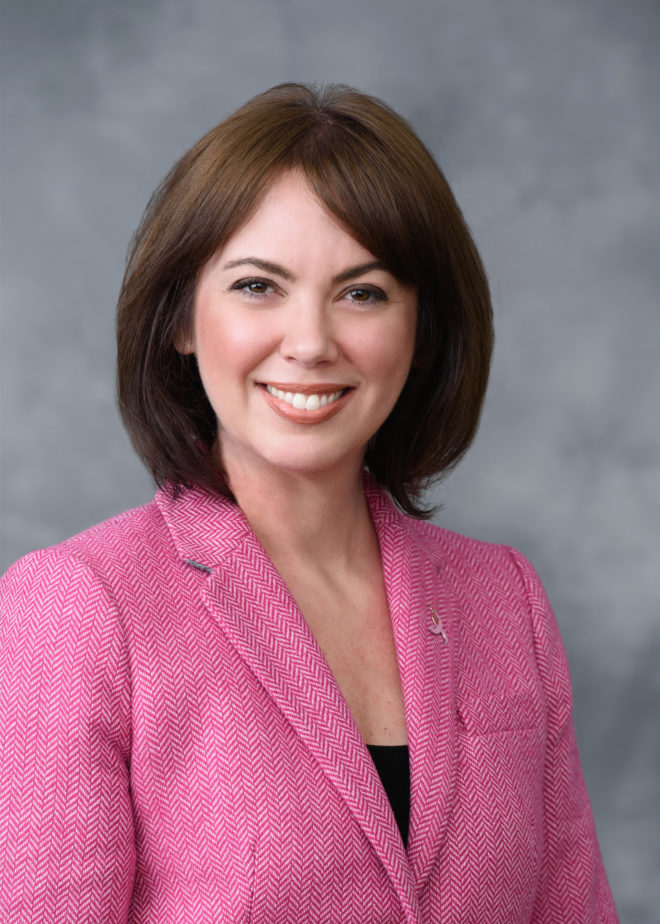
{"points": [[275, 693]]}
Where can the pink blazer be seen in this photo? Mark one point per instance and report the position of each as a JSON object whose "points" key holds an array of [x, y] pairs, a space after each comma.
{"points": [[175, 749]]}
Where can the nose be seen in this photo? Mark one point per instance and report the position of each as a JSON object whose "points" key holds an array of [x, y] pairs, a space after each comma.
{"points": [[309, 338]]}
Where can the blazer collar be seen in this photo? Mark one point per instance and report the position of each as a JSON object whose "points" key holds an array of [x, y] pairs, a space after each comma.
{"points": [[254, 608]]}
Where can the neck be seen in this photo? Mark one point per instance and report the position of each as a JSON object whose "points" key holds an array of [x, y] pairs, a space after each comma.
{"points": [[321, 518]]}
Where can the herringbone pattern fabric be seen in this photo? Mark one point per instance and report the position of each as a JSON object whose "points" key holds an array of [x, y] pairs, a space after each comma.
{"points": [[175, 749]]}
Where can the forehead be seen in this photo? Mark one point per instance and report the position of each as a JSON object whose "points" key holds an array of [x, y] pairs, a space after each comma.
{"points": [[291, 222]]}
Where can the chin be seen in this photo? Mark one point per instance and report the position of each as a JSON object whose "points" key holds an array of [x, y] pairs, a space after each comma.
{"points": [[300, 460]]}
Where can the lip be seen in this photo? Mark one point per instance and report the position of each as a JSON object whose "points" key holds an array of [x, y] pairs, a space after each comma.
{"points": [[316, 388], [295, 415]]}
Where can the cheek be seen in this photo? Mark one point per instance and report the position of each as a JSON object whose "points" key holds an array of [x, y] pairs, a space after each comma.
{"points": [[391, 354], [225, 348]]}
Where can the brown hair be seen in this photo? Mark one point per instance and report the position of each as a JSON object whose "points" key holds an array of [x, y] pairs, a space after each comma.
{"points": [[369, 168]]}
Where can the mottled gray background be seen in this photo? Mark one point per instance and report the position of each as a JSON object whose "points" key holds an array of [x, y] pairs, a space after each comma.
{"points": [[545, 117]]}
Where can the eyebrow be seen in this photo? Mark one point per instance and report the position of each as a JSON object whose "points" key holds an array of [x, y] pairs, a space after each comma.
{"points": [[268, 267]]}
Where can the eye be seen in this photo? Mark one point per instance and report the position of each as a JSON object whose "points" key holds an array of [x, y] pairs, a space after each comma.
{"points": [[365, 295], [254, 288]]}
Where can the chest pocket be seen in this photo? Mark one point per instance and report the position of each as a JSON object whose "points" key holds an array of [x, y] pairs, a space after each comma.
{"points": [[496, 714]]}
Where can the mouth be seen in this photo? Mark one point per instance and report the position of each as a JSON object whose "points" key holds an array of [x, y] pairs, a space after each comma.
{"points": [[306, 400], [305, 403]]}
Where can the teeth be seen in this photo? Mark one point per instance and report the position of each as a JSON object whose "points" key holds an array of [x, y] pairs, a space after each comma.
{"points": [[304, 402]]}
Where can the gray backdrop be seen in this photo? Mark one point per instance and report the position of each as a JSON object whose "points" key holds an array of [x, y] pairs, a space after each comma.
{"points": [[545, 118]]}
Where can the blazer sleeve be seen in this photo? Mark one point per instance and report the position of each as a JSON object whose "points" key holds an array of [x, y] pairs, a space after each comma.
{"points": [[66, 830], [573, 884]]}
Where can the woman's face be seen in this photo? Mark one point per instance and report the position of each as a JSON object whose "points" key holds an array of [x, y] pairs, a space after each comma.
{"points": [[303, 340]]}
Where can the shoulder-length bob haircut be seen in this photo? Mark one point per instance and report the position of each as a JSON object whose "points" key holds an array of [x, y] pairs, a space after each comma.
{"points": [[371, 171]]}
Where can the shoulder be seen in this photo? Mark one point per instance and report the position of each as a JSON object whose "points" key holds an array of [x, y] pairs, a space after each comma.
{"points": [[86, 571], [140, 534], [499, 574], [466, 562], [136, 563], [473, 559]]}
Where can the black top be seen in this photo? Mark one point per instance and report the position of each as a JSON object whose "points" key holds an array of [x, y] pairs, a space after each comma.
{"points": [[393, 767]]}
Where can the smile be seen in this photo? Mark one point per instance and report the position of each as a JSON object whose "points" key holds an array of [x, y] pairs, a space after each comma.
{"points": [[303, 402], [306, 404]]}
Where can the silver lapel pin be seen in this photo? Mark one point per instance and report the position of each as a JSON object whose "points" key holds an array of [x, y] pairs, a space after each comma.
{"points": [[437, 628]]}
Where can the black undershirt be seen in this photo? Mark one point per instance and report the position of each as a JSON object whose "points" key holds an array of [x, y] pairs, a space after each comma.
{"points": [[393, 766]]}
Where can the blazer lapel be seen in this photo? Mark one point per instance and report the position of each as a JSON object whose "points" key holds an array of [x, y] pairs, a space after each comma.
{"points": [[415, 586], [261, 619], [248, 599]]}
